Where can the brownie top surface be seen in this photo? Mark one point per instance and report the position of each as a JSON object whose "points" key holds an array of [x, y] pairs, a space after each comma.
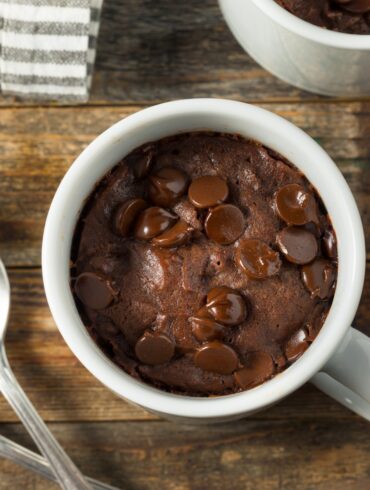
{"points": [[203, 264]]}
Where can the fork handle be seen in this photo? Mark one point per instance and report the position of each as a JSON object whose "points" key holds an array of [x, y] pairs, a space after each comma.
{"points": [[68, 475]]}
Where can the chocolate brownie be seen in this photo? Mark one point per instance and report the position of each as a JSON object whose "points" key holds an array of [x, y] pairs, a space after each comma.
{"points": [[350, 16], [204, 264]]}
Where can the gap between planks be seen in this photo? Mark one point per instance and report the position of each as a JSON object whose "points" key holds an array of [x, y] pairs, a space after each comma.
{"points": [[143, 104]]}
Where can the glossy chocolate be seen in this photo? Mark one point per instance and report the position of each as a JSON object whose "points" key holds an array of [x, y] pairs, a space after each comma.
{"points": [[258, 368], [94, 290], [152, 222], [319, 277], [208, 191], [296, 345], [154, 348], [257, 259], [224, 224], [227, 306], [295, 205], [206, 328], [329, 244], [167, 185], [298, 245], [216, 357], [126, 214], [176, 235]]}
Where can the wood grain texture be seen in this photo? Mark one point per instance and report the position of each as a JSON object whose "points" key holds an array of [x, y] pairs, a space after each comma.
{"points": [[39, 144], [63, 390], [248, 455]]}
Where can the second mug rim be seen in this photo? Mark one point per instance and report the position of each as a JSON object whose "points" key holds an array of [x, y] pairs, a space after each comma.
{"points": [[58, 235]]}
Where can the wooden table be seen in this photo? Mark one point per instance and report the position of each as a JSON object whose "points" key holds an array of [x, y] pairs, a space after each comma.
{"points": [[148, 52]]}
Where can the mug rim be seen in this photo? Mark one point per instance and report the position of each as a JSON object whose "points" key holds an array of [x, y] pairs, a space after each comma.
{"points": [[311, 31], [70, 325]]}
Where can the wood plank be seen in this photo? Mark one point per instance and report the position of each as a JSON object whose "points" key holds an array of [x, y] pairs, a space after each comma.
{"points": [[63, 390], [245, 455], [162, 50], [39, 144]]}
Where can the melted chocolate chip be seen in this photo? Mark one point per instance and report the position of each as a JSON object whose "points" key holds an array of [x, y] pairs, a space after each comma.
{"points": [[126, 214], [208, 191], [94, 290], [257, 259], [167, 185], [143, 163], [177, 235], [216, 357], [227, 306], [224, 224], [319, 278], [316, 320], [259, 368], [296, 345], [298, 245], [205, 328], [152, 222], [329, 243], [295, 205], [154, 348]]}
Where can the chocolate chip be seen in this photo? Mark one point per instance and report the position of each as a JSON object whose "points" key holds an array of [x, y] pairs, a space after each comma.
{"points": [[226, 305], [152, 222], [167, 185], [204, 326], [143, 163], [126, 214], [216, 357], [295, 205], [208, 191], [329, 243], [224, 224], [296, 345], [175, 236], [154, 348], [94, 290], [316, 320], [319, 278], [297, 244], [257, 259], [259, 368]]}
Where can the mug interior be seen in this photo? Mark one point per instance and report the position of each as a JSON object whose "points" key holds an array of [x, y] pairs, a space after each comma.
{"points": [[311, 31], [169, 119]]}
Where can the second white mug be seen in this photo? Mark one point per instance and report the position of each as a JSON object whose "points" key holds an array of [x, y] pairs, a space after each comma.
{"points": [[302, 54]]}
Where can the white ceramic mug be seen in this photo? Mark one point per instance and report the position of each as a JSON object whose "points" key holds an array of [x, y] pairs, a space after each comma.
{"points": [[300, 53], [338, 361]]}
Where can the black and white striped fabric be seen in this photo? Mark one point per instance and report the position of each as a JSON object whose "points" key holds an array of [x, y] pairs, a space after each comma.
{"points": [[47, 47]]}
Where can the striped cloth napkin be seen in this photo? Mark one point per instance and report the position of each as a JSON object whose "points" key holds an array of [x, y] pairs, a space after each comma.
{"points": [[47, 48]]}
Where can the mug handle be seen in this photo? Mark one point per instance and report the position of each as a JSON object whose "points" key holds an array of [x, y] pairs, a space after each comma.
{"points": [[346, 376]]}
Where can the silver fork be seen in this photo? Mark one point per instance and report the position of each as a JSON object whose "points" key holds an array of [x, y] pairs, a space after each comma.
{"points": [[68, 475]]}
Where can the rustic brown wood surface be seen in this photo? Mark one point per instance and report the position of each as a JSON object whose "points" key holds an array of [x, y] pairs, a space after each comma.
{"points": [[152, 51]]}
